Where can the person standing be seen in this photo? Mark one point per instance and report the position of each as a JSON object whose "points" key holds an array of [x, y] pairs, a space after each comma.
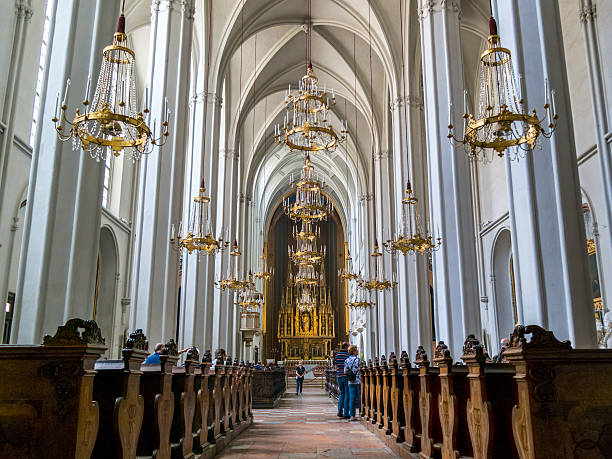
{"points": [[299, 377], [343, 398], [351, 369]]}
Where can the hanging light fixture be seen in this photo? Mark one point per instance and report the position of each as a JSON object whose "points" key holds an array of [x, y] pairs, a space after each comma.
{"points": [[310, 202], [265, 272], [359, 299], [306, 251], [502, 120], [232, 280], [249, 299], [378, 281], [306, 275], [346, 272], [200, 237], [112, 121], [306, 125], [412, 237]]}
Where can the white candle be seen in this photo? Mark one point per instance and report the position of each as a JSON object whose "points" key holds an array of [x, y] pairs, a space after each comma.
{"points": [[545, 91], [87, 88], [66, 92], [450, 114], [554, 104], [57, 104], [146, 101], [465, 101]]}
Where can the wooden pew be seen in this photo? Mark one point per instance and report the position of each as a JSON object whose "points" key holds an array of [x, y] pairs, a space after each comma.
{"points": [[454, 394], [363, 399], [431, 432], [181, 432], [156, 390], [491, 398], [564, 396], [372, 372], [46, 404], [386, 396], [217, 376], [117, 390], [201, 423], [397, 411], [410, 397]]}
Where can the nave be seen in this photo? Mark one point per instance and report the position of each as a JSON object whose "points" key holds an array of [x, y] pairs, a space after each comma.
{"points": [[305, 427]]}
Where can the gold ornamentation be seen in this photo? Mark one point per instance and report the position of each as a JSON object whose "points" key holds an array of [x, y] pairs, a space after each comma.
{"points": [[310, 203], [111, 122], [502, 120]]}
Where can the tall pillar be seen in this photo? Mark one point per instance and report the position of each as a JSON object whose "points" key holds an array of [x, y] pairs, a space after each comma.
{"points": [[8, 224], [456, 307], [549, 239], [62, 223], [588, 18], [414, 314], [155, 265]]}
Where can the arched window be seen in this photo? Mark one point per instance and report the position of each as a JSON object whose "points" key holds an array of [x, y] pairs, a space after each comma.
{"points": [[590, 227]]}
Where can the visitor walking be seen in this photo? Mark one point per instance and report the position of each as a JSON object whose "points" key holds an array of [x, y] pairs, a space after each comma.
{"points": [[351, 369], [343, 397], [299, 377]]}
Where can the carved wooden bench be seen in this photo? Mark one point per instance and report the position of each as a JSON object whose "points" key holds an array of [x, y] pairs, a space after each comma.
{"points": [[46, 394], [117, 390]]}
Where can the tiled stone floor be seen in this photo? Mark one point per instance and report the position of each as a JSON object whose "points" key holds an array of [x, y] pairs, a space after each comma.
{"points": [[305, 427]]}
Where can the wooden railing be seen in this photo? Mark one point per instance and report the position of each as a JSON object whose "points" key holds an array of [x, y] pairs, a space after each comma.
{"points": [[57, 400], [547, 401]]}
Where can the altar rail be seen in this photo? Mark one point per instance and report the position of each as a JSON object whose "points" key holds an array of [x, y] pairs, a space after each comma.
{"points": [[269, 386], [548, 401], [57, 400]]}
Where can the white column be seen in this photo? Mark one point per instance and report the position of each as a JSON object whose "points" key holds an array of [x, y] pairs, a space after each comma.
{"points": [[549, 240], [588, 18], [155, 265], [62, 223], [8, 225], [454, 265]]}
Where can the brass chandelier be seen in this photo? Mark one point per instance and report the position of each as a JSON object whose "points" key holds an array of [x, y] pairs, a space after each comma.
{"points": [[112, 121], [265, 272], [412, 237], [249, 299], [502, 120], [306, 125], [232, 280], [306, 275], [199, 237], [378, 282], [310, 203], [346, 273], [359, 300], [306, 250]]}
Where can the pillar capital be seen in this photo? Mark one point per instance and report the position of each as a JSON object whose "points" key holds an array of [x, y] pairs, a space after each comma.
{"points": [[587, 13], [429, 7], [412, 101], [23, 10]]}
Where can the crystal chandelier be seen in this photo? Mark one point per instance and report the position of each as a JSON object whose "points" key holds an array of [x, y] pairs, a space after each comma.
{"points": [[305, 300], [250, 300], [346, 273], [307, 275], [412, 237], [199, 235], [265, 272], [310, 202], [232, 280], [359, 300], [502, 120], [306, 251], [378, 282], [306, 126], [111, 121]]}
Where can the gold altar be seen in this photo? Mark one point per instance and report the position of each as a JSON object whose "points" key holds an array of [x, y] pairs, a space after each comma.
{"points": [[306, 333]]}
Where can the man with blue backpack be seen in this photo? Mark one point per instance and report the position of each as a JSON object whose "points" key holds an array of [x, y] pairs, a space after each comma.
{"points": [[343, 398]]}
